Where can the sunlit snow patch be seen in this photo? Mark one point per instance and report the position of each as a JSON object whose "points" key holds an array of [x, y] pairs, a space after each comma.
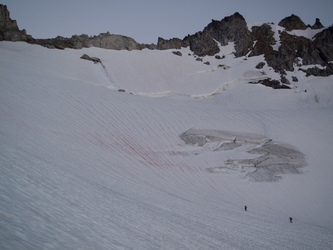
{"points": [[271, 159]]}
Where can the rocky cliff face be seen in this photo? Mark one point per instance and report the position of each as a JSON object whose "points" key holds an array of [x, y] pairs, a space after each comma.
{"points": [[230, 29], [9, 30], [292, 47], [323, 43], [264, 37], [298, 48]]}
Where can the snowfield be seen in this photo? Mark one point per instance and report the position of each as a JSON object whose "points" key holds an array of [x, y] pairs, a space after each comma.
{"points": [[150, 150]]}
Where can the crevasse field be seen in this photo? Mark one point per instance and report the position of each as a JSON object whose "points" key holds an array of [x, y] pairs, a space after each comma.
{"points": [[150, 150]]}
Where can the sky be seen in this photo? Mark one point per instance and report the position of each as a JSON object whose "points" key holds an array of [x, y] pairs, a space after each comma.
{"points": [[146, 20]]}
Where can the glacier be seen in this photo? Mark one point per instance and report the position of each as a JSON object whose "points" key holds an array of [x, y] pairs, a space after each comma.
{"points": [[84, 165]]}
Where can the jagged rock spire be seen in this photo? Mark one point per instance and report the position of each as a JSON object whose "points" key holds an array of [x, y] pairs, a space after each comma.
{"points": [[317, 24]]}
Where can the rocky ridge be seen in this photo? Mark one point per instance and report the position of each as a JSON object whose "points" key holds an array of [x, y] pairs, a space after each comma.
{"points": [[103, 40], [260, 40], [9, 31]]}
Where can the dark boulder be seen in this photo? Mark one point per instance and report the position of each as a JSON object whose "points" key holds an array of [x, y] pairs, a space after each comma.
{"points": [[219, 57], [177, 53], [284, 80], [295, 79], [260, 65], [93, 59], [275, 84]]}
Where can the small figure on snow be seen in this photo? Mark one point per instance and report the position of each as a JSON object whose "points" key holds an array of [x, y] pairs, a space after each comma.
{"points": [[245, 208], [291, 219]]}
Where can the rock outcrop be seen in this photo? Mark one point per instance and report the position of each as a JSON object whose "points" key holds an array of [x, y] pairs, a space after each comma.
{"points": [[323, 43], [93, 59], [317, 51], [317, 25], [292, 22], [275, 84], [264, 37], [315, 71], [293, 48], [230, 29], [9, 30], [174, 43]]}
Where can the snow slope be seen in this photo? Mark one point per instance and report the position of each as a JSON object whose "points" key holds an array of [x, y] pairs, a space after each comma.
{"points": [[84, 166]]}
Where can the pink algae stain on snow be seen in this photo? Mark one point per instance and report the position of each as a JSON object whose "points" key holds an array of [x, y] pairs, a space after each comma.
{"points": [[104, 142], [142, 152], [148, 156]]}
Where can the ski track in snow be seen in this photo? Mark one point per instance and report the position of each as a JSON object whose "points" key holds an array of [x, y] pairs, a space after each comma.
{"points": [[86, 167]]}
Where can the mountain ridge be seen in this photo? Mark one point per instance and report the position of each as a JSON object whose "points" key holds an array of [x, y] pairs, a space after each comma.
{"points": [[259, 40]]}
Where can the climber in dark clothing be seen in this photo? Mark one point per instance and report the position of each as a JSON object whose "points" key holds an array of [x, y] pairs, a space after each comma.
{"points": [[291, 219], [245, 207]]}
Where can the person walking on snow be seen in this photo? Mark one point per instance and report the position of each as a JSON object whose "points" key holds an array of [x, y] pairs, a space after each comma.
{"points": [[245, 207], [291, 219]]}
